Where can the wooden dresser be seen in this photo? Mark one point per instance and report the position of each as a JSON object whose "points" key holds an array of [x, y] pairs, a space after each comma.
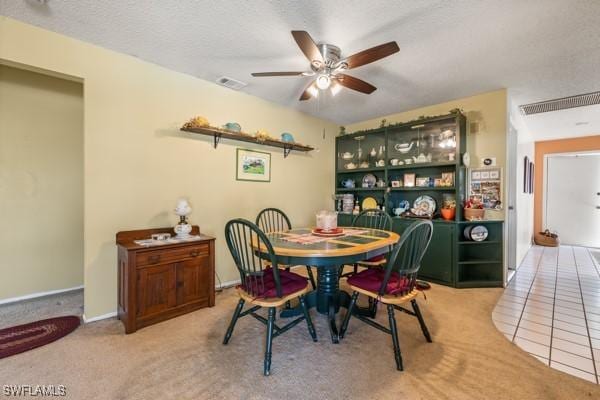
{"points": [[161, 282]]}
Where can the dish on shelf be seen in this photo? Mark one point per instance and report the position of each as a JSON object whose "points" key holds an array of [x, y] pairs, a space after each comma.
{"points": [[424, 205], [350, 166], [364, 164], [348, 183], [347, 156], [369, 203], [403, 148], [369, 181]]}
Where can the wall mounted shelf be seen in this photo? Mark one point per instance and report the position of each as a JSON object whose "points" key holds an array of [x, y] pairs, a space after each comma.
{"points": [[219, 134]]}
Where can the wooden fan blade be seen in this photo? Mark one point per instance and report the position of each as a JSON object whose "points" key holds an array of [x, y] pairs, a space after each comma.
{"points": [[276, 73], [355, 84], [306, 94], [372, 54], [308, 46]]}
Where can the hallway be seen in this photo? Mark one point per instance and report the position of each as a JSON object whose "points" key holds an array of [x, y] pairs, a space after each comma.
{"points": [[551, 309]]}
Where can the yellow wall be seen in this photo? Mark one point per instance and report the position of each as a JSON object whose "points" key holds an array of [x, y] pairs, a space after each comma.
{"points": [[489, 110], [137, 162], [41, 183]]}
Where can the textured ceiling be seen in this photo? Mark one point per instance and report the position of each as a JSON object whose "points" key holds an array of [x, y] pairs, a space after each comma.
{"points": [[539, 49]]}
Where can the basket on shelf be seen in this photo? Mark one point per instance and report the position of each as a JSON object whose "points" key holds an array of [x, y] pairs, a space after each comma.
{"points": [[473, 214], [546, 238]]}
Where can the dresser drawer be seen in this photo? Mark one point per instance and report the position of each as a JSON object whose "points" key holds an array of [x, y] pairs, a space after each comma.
{"points": [[171, 255]]}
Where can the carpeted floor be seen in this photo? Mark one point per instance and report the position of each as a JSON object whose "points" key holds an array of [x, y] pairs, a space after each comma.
{"points": [[184, 359]]}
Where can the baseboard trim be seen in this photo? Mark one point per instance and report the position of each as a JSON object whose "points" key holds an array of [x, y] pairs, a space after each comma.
{"points": [[228, 284], [99, 317], [40, 294]]}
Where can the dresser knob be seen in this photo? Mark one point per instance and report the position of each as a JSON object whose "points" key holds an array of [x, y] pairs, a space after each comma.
{"points": [[194, 253]]}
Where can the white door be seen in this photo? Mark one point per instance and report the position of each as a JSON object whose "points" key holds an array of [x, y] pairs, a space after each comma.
{"points": [[511, 212], [572, 198]]}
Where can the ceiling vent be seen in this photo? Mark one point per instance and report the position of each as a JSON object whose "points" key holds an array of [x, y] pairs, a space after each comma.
{"points": [[231, 83], [561, 104]]}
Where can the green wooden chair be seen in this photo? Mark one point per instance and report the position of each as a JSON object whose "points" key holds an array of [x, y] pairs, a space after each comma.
{"points": [[395, 285], [263, 283], [275, 220], [372, 219]]}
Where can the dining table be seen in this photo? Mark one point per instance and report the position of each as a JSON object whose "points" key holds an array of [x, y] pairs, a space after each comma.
{"points": [[301, 246]]}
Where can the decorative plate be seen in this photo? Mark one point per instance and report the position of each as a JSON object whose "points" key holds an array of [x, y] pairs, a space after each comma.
{"points": [[477, 233], [369, 203], [466, 159], [426, 204], [369, 180]]}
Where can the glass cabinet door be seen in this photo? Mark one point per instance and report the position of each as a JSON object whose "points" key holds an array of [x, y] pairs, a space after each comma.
{"points": [[361, 151]]}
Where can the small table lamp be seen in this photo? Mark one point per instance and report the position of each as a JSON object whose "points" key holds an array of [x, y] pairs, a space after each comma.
{"points": [[183, 209]]}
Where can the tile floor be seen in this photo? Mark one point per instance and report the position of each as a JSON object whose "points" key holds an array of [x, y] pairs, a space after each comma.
{"points": [[551, 309]]}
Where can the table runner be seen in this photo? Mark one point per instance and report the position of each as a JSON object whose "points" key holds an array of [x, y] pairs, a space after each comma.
{"points": [[309, 238]]}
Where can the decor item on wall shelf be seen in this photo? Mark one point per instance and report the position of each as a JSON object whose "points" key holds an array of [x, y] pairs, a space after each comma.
{"points": [[422, 182], [409, 180], [196, 122], [348, 183], [183, 228], [424, 206], [485, 187], [473, 210], [369, 181], [233, 126], [369, 203], [253, 166], [287, 137], [466, 159]]}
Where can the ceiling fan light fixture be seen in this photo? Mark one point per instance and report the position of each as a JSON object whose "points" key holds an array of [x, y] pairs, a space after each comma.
{"points": [[323, 82], [313, 91], [335, 88]]}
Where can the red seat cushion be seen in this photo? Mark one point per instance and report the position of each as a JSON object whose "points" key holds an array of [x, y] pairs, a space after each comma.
{"points": [[290, 283], [371, 279], [378, 258]]}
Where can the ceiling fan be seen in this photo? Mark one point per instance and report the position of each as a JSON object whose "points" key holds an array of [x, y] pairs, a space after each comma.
{"points": [[328, 66]]}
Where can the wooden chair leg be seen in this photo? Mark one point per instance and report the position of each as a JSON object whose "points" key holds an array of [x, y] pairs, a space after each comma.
{"points": [[394, 333], [270, 324], [236, 315], [372, 307], [355, 269], [419, 316], [311, 277], [348, 314], [311, 327]]}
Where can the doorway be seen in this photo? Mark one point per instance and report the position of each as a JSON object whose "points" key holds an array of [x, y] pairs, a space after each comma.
{"points": [[572, 197], [41, 193]]}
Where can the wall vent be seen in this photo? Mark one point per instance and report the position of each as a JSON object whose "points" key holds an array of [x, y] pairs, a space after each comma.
{"points": [[580, 100], [231, 83]]}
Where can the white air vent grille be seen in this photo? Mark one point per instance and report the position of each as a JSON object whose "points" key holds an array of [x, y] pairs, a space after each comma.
{"points": [[561, 104], [231, 83]]}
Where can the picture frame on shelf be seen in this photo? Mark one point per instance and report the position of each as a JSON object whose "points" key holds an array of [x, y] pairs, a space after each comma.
{"points": [[252, 165], [447, 179], [422, 182], [437, 182], [409, 180], [396, 183]]}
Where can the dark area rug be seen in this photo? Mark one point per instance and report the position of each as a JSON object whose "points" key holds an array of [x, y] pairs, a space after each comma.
{"points": [[21, 338]]}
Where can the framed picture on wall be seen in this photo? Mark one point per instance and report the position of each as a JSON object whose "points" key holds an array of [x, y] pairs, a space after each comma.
{"points": [[531, 176], [526, 174], [253, 166]]}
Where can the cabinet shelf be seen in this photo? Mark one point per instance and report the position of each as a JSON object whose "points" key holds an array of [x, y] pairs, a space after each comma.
{"points": [[423, 165], [350, 171], [471, 262], [349, 190], [424, 189], [471, 242]]}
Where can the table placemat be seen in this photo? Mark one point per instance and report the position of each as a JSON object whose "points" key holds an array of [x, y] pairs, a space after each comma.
{"points": [[309, 238]]}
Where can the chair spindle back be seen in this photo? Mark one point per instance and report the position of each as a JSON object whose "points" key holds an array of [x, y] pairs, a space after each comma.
{"points": [[273, 220], [405, 258], [373, 219], [243, 239]]}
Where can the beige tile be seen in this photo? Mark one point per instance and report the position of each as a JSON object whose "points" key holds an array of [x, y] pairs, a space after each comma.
{"points": [[572, 360], [594, 333], [507, 319], [512, 312], [581, 330], [571, 337], [593, 324], [569, 311], [535, 327], [538, 304], [505, 328], [533, 348], [542, 359], [578, 349], [573, 371], [534, 336], [540, 319], [570, 319]]}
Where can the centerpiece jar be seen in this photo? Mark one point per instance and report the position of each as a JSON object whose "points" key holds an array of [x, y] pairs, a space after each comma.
{"points": [[327, 220]]}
